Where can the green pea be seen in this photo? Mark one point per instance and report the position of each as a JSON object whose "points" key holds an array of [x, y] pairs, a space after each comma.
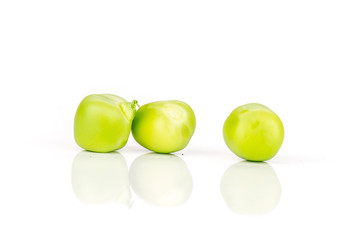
{"points": [[164, 126], [103, 122], [253, 132]]}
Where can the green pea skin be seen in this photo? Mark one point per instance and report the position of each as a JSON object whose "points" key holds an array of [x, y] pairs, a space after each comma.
{"points": [[253, 132], [103, 122], [164, 126]]}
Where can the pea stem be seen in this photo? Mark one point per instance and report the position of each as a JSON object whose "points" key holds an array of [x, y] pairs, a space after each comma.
{"points": [[134, 103]]}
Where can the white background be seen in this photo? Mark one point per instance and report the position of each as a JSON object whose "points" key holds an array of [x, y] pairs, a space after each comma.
{"points": [[300, 58]]}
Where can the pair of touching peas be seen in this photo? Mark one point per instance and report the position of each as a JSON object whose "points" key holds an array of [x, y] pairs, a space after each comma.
{"points": [[103, 123]]}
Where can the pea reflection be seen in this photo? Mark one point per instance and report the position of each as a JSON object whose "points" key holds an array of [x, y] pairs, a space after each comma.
{"points": [[161, 179], [250, 188], [101, 178]]}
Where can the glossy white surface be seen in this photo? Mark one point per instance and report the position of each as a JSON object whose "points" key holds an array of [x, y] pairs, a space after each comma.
{"points": [[301, 59], [62, 193]]}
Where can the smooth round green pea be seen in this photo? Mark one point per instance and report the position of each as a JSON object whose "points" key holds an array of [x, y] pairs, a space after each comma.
{"points": [[253, 132], [103, 122], [164, 126]]}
